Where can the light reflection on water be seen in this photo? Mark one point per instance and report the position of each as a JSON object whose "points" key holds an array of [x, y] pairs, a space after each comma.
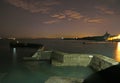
{"points": [[14, 56], [117, 56]]}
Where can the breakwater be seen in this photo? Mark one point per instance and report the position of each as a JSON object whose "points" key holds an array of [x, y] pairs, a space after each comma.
{"points": [[95, 61], [66, 59], [57, 58]]}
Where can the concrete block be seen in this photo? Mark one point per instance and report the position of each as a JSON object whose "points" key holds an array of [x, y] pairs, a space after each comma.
{"points": [[56, 79], [100, 62]]}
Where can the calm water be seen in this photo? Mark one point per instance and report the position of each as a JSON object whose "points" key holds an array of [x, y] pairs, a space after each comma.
{"points": [[14, 70]]}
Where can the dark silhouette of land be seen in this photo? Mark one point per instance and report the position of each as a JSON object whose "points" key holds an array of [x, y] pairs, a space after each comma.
{"points": [[95, 38]]}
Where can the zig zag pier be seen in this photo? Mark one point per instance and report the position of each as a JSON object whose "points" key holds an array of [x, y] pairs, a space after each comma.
{"points": [[96, 62]]}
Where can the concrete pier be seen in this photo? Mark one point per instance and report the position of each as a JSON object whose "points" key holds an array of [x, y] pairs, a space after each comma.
{"points": [[66, 59], [100, 62], [39, 55], [63, 80], [95, 61]]}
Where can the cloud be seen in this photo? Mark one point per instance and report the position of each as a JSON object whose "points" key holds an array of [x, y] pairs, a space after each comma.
{"points": [[72, 14], [105, 10], [59, 16], [34, 6], [51, 22], [68, 14], [94, 20]]}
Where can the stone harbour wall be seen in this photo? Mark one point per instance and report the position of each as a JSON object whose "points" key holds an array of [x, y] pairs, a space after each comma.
{"points": [[42, 55], [57, 58], [95, 61], [66, 59], [100, 62]]}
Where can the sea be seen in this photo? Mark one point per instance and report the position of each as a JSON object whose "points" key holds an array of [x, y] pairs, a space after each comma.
{"points": [[13, 69]]}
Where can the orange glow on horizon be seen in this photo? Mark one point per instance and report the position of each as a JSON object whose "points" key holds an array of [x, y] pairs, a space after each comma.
{"points": [[114, 38], [117, 57]]}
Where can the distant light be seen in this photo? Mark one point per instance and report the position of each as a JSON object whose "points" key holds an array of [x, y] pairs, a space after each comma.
{"points": [[17, 41], [114, 37], [76, 37], [12, 38], [62, 37]]}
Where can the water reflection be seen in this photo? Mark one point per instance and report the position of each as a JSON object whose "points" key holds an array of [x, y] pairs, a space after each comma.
{"points": [[14, 56], [117, 56]]}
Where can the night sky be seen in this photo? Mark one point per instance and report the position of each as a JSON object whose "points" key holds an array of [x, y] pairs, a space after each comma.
{"points": [[58, 18]]}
